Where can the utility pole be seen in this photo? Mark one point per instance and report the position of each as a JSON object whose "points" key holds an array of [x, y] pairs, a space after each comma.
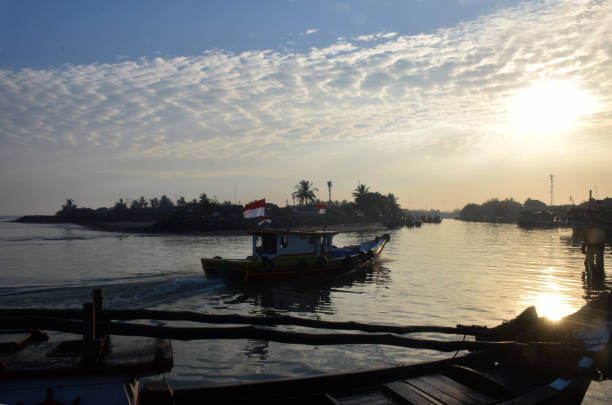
{"points": [[552, 179]]}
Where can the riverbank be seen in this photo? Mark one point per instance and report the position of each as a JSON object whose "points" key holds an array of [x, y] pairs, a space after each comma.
{"points": [[168, 226], [454, 272]]}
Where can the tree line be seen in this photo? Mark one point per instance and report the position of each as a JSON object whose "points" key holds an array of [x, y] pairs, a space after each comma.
{"points": [[366, 203], [508, 210]]}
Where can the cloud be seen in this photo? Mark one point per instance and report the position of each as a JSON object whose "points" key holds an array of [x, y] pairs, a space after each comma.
{"points": [[310, 31], [374, 37], [398, 88]]}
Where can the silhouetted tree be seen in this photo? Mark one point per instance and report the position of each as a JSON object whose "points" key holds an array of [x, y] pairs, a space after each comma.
{"points": [[492, 210], [304, 192], [154, 202], [181, 202], [360, 190], [140, 203], [535, 205], [329, 186], [165, 203], [120, 205], [68, 208]]}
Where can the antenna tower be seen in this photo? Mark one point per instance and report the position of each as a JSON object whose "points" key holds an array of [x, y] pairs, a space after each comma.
{"points": [[552, 179]]}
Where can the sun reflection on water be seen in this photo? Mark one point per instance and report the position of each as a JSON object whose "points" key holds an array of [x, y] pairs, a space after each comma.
{"points": [[552, 306], [552, 296]]}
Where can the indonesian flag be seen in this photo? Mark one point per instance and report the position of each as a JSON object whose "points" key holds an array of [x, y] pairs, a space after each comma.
{"points": [[321, 208], [255, 209], [264, 221]]}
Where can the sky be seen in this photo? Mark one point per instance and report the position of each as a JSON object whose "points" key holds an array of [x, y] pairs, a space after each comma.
{"points": [[440, 102]]}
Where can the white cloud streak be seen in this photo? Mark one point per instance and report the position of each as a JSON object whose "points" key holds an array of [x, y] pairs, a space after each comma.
{"points": [[443, 92], [221, 103]]}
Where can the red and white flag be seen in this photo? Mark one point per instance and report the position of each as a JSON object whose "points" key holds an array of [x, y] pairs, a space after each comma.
{"points": [[321, 208], [255, 209], [264, 221]]}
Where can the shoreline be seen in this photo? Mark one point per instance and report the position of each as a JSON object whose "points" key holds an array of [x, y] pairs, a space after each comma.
{"points": [[144, 227], [141, 227]]}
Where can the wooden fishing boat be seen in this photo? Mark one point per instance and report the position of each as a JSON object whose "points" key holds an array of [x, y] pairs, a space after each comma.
{"points": [[479, 378], [38, 368], [546, 363], [51, 369], [285, 254]]}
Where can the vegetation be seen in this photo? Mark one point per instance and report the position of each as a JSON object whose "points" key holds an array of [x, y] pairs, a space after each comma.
{"points": [[493, 210], [203, 214], [374, 204], [534, 205], [304, 192]]}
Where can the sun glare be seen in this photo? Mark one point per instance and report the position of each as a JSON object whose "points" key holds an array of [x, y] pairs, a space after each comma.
{"points": [[552, 306], [550, 107]]}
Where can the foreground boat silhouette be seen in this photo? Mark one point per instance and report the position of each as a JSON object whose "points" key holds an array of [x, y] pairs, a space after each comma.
{"points": [[529, 360]]}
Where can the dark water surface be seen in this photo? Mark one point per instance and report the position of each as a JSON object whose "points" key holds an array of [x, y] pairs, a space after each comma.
{"points": [[440, 274]]}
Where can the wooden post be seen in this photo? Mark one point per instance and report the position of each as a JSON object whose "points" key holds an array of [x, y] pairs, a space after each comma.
{"points": [[89, 334], [98, 299], [97, 295]]}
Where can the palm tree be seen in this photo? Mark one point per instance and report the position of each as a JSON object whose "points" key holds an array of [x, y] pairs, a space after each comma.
{"points": [[121, 204], [360, 191], [69, 206], [304, 192], [329, 184]]}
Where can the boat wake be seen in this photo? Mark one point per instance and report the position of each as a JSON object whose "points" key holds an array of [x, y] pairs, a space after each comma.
{"points": [[142, 291]]}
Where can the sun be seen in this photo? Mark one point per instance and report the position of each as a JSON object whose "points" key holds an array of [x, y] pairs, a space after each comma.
{"points": [[550, 107]]}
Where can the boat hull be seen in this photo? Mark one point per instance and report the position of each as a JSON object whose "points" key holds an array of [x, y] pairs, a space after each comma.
{"points": [[478, 378], [291, 266]]}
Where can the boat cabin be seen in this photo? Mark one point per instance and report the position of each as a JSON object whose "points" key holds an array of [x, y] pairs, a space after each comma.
{"points": [[270, 244]]}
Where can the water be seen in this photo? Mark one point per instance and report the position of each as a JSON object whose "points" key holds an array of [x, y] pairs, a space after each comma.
{"points": [[454, 272]]}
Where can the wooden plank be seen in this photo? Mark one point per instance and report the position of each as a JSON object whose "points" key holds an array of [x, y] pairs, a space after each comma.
{"points": [[367, 398], [534, 397], [411, 394], [448, 390], [485, 384]]}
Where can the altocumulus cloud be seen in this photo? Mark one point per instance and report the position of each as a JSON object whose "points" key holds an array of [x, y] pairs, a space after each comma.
{"points": [[445, 90]]}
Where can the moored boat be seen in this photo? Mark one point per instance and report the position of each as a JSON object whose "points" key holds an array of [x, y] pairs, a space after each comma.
{"points": [[547, 363], [51, 369], [477, 378], [288, 254], [556, 367]]}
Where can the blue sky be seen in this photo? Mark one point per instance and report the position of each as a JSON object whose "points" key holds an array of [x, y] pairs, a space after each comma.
{"points": [[39, 34], [440, 102]]}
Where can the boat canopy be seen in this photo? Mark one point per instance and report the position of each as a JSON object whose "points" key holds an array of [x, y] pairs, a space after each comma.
{"points": [[272, 243]]}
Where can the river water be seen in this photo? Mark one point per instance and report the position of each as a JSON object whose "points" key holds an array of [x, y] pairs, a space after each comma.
{"points": [[439, 274]]}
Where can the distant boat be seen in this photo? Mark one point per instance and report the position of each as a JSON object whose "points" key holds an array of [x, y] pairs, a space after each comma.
{"points": [[539, 219], [289, 254]]}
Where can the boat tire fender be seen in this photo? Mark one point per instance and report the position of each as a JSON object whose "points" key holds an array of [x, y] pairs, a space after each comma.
{"points": [[322, 261], [370, 254], [267, 263], [363, 256], [347, 262], [301, 265]]}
